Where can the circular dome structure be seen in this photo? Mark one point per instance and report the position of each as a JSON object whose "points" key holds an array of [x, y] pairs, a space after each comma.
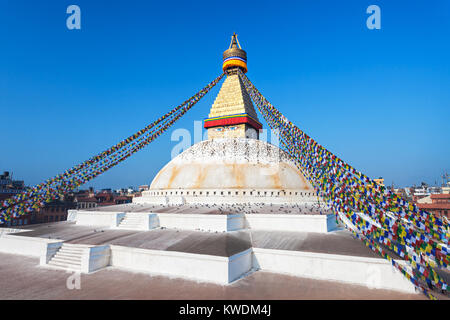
{"points": [[232, 171], [232, 166], [234, 56]]}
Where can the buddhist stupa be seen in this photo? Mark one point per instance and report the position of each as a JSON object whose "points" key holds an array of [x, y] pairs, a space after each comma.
{"points": [[224, 209], [232, 165]]}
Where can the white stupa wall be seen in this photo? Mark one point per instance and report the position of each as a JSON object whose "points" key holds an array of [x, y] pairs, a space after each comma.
{"points": [[375, 273], [321, 223], [228, 196], [215, 269]]}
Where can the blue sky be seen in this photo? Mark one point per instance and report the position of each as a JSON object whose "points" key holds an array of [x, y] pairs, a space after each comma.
{"points": [[379, 99]]}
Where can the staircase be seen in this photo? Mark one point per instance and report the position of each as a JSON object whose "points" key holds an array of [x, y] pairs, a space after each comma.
{"points": [[133, 222], [68, 257]]}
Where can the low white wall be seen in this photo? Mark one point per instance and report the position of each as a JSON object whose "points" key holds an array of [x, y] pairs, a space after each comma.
{"points": [[50, 251], [25, 245], [290, 222], [235, 222], [214, 222], [240, 264], [98, 218], [371, 272], [96, 258], [152, 221], [217, 196], [180, 264], [208, 222], [72, 215], [331, 222], [5, 231]]}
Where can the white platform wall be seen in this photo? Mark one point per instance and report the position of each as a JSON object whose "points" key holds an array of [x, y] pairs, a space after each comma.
{"points": [[372, 272], [229, 196], [208, 268], [29, 246], [291, 222], [206, 222], [97, 218], [213, 222]]}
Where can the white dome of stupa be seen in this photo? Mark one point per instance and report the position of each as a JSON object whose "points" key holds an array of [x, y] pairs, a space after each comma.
{"points": [[229, 170], [231, 163], [232, 166]]}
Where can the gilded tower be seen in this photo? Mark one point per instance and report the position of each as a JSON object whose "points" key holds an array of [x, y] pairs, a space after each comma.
{"points": [[232, 115]]}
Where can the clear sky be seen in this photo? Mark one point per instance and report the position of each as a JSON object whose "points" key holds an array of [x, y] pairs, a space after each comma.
{"points": [[379, 99]]}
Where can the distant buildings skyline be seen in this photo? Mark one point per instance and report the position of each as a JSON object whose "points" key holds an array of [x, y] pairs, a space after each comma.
{"points": [[443, 180]]}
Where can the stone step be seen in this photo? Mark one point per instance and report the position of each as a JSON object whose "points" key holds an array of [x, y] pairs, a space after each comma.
{"points": [[68, 255], [66, 259], [65, 265], [74, 246], [132, 222], [71, 251]]}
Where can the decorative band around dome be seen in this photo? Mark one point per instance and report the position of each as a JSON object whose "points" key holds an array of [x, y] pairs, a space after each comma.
{"points": [[233, 62], [235, 52], [234, 56]]}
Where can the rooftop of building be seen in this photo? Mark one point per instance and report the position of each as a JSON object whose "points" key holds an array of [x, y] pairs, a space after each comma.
{"points": [[443, 206], [440, 196]]}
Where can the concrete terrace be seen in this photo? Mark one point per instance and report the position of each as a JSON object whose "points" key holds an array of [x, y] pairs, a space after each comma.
{"points": [[21, 277], [212, 264], [211, 243]]}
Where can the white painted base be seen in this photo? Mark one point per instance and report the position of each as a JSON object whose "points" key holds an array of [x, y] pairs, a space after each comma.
{"points": [[97, 257], [5, 231], [29, 246], [211, 222], [371, 272], [222, 270], [97, 218], [205, 222], [225, 196], [291, 222]]}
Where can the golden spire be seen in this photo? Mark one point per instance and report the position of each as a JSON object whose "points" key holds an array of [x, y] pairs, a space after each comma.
{"points": [[234, 56], [234, 41], [233, 115]]}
